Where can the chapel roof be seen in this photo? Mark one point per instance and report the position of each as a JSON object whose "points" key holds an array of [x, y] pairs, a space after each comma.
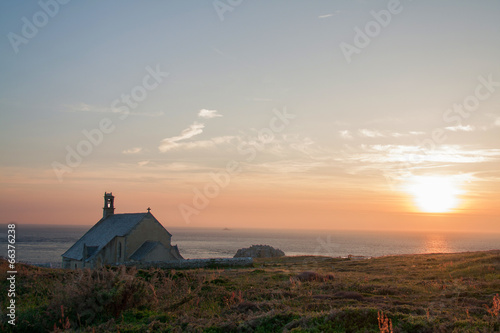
{"points": [[116, 225]]}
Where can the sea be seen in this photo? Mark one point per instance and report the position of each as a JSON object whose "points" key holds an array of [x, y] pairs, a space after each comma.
{"points": [[44, 244]]}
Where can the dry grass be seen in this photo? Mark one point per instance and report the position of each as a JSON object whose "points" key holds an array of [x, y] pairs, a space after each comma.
{"points": [[495, 309], [415, 293], [384, 323]]}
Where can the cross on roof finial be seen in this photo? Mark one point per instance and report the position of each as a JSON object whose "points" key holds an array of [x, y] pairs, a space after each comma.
{"points": [[149, 209]]}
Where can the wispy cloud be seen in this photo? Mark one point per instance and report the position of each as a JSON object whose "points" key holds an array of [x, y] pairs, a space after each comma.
{"points": [[370, 133], [199, 144], [460, 128], [208, 114], [285, 166], [83, 107], [345, 134], [330, 14], [207, 143], [194, 129], [134, 150], [172, 142], [413, 155]]}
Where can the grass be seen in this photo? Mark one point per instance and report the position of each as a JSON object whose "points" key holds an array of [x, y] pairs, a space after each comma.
{"points": [[411, 293]]}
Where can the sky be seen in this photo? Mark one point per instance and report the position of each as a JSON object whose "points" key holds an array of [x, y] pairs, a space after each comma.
{"points": [[347, 114]]}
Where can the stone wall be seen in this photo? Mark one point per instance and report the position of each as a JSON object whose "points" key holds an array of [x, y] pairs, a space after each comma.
{"points": [[195, 263]]}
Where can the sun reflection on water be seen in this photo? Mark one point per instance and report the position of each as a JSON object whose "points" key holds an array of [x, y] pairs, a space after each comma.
{"points": [[435, 243]]}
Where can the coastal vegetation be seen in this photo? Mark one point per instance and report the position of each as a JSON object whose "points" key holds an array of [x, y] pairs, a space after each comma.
{"points": [[408, 293]]}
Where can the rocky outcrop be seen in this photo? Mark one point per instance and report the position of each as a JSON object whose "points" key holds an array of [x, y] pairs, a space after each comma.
{"points": [[259, 251]]}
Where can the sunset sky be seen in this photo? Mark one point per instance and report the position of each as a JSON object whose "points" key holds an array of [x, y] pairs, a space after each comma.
{"points": [[249, 114]]}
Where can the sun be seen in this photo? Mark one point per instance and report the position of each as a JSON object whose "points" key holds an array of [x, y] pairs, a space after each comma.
{"points": [[433, 194]]}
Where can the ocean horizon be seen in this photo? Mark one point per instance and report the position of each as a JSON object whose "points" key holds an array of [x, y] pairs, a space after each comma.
{"points": [[44, 244]]}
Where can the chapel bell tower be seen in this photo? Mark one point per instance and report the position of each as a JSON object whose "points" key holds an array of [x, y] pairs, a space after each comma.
{"points": [[109, 205]]}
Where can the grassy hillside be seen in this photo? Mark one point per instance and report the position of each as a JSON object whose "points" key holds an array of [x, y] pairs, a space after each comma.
{"points": [[414, 293]]}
